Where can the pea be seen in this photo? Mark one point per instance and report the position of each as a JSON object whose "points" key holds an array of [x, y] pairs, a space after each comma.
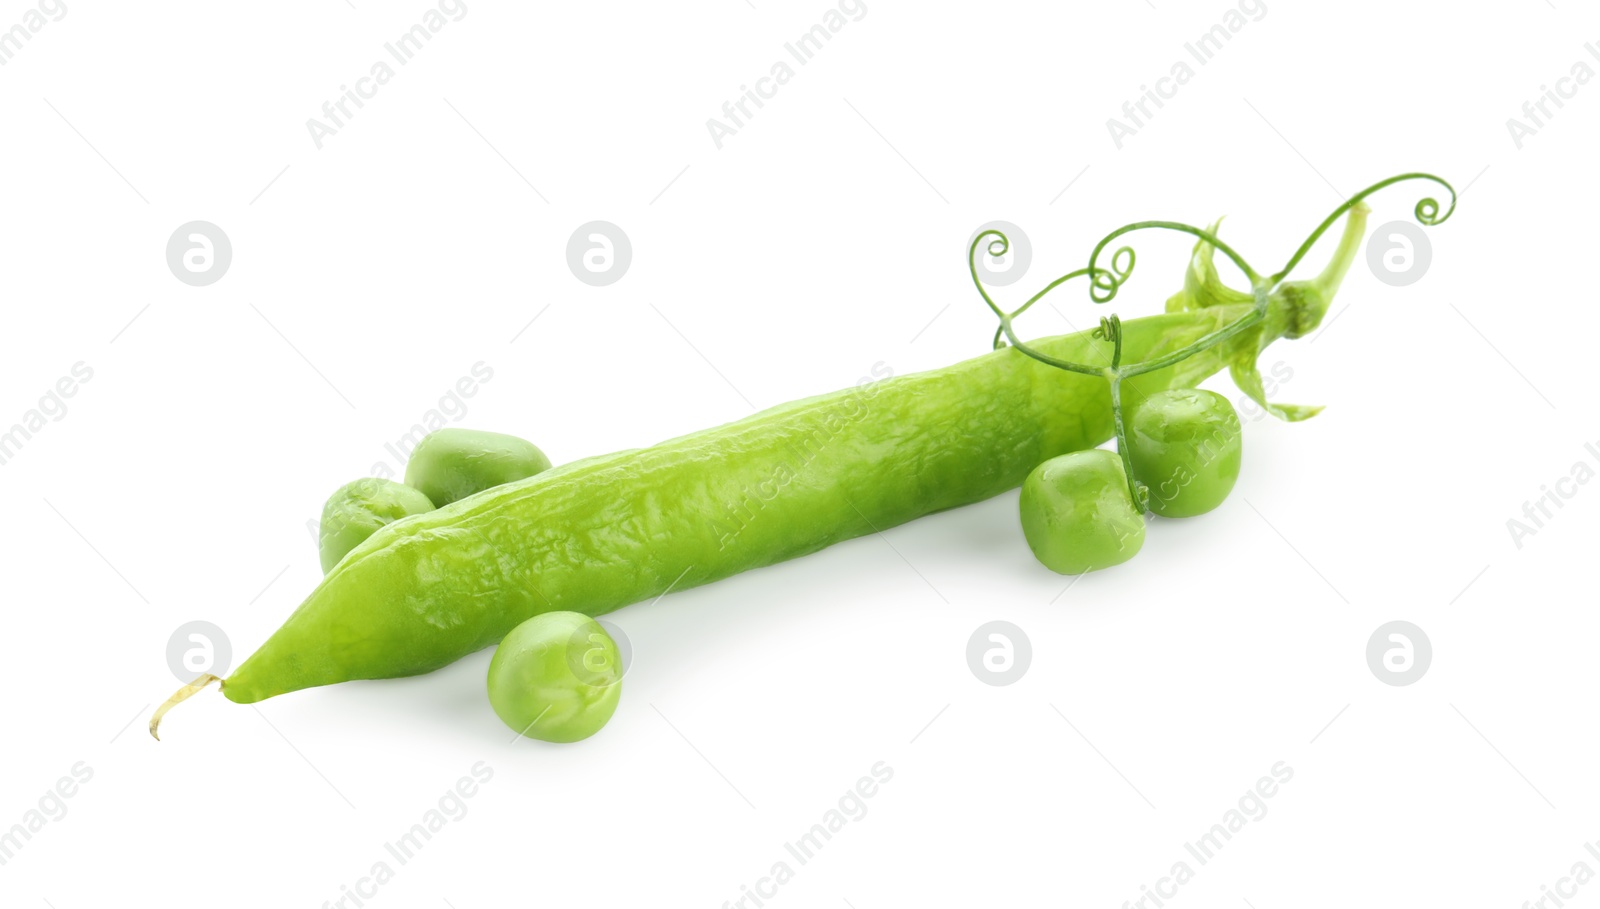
{"points": [[451, 464], [1185, 445], [1076, 514], [356, 510], [556, 677]]}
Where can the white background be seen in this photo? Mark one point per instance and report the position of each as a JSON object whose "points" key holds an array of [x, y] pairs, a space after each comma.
{"points": [[824, 237]]}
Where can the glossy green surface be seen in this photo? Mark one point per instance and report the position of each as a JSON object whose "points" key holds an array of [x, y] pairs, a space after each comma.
{"points": [[599, 534], [1076, 514], [451, 464], [1186, 446], [556, 677], [356, 510]]}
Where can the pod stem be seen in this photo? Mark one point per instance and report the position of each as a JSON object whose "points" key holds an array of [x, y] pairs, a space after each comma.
{"points": [[181, 695]]}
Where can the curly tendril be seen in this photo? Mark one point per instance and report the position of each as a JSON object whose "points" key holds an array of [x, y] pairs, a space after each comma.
{"points": [[1110, 290], [1005, 333], [1426, 211], [1104, 283], [1111, 330], [972, 264]]}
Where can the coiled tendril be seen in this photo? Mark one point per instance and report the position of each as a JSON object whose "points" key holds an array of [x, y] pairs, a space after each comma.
{"points": [[1111, 330], [1426, 212], [1104, 283]]}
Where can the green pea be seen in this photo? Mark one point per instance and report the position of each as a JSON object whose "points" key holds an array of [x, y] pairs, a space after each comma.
{"points": [[1076, 514], [556, 677], [356, 510], [452, 464], [1185, 446]]}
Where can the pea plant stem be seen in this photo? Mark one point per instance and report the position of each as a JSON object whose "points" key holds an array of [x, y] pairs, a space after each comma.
{"points": [[1104, 283]]}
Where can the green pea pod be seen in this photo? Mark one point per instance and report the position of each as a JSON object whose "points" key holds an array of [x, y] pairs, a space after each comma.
{"points": [[599, 534], [615, 530]]}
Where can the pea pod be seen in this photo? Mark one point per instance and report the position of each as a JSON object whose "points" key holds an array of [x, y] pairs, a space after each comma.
{"points": [[594, 536], [600, 534]]}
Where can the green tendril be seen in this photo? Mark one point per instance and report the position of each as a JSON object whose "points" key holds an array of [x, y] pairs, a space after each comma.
{"points": [[972, 265], [1138, 493], [1103, 293], [1426, 211], [1004, 333], [1111, 330], [1104, 283]]}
